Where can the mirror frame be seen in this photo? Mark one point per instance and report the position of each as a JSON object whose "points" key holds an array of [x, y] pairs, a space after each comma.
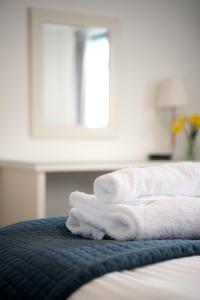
{"points": [[38, 128]]}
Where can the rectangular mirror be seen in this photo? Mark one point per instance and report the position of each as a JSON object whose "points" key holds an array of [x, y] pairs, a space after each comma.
{"points": [[73, 74]]}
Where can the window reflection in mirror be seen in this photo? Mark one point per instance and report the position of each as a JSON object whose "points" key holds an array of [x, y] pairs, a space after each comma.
{"points": [[75, 75]]}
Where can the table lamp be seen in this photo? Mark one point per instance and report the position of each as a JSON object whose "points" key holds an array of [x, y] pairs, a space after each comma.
{"points": [[172, 93]]}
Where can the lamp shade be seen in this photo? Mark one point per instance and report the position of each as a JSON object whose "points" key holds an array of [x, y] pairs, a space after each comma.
{"points": [[172, 93]]}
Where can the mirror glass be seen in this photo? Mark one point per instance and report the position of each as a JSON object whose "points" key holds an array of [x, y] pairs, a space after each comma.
{"points": [[75, 75]]}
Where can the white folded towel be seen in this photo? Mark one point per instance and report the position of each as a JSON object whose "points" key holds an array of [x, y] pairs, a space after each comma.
{"points": [[151, 218], [167, 179]]}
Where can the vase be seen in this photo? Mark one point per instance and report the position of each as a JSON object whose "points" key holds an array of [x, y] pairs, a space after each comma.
{"points": [[191, 149]]}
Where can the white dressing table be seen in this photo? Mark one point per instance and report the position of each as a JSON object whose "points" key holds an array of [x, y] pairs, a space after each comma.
{"points": [[30, 190]]}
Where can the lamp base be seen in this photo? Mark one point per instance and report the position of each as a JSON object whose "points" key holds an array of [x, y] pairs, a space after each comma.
{"points": [[160, 156]]}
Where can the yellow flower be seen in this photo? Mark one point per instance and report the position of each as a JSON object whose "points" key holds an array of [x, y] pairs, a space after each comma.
{"points": [[177, 127], [182, 119], [195, 120]]}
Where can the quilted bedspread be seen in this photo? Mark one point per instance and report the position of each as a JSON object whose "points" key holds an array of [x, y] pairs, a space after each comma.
{"points": [[41, 259]]}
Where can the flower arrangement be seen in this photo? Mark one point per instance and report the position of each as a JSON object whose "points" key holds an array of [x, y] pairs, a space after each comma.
{"points": [[190, 125]]}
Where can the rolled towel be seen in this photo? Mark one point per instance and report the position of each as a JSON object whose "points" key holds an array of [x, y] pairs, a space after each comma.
{"points": [[167, 179], [91, 218], [175, 217]]}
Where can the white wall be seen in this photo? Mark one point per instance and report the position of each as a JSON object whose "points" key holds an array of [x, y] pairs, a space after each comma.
{"points": [[158, 38]]}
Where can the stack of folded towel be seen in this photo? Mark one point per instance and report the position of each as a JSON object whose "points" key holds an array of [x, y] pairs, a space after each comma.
{"points": [[156, 202]]}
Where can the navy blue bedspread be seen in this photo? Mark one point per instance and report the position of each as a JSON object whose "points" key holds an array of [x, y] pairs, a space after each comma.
{"points": [[41, 259]]}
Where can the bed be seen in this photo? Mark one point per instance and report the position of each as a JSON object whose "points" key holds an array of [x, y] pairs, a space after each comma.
{"points": [[175, 279], [41, 259]]}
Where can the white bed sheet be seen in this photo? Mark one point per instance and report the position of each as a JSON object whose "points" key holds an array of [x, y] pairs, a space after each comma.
{"points": [[177, 279]]}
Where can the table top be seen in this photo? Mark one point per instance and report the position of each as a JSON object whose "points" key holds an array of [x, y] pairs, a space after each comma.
{"points": [[76, 166]]}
